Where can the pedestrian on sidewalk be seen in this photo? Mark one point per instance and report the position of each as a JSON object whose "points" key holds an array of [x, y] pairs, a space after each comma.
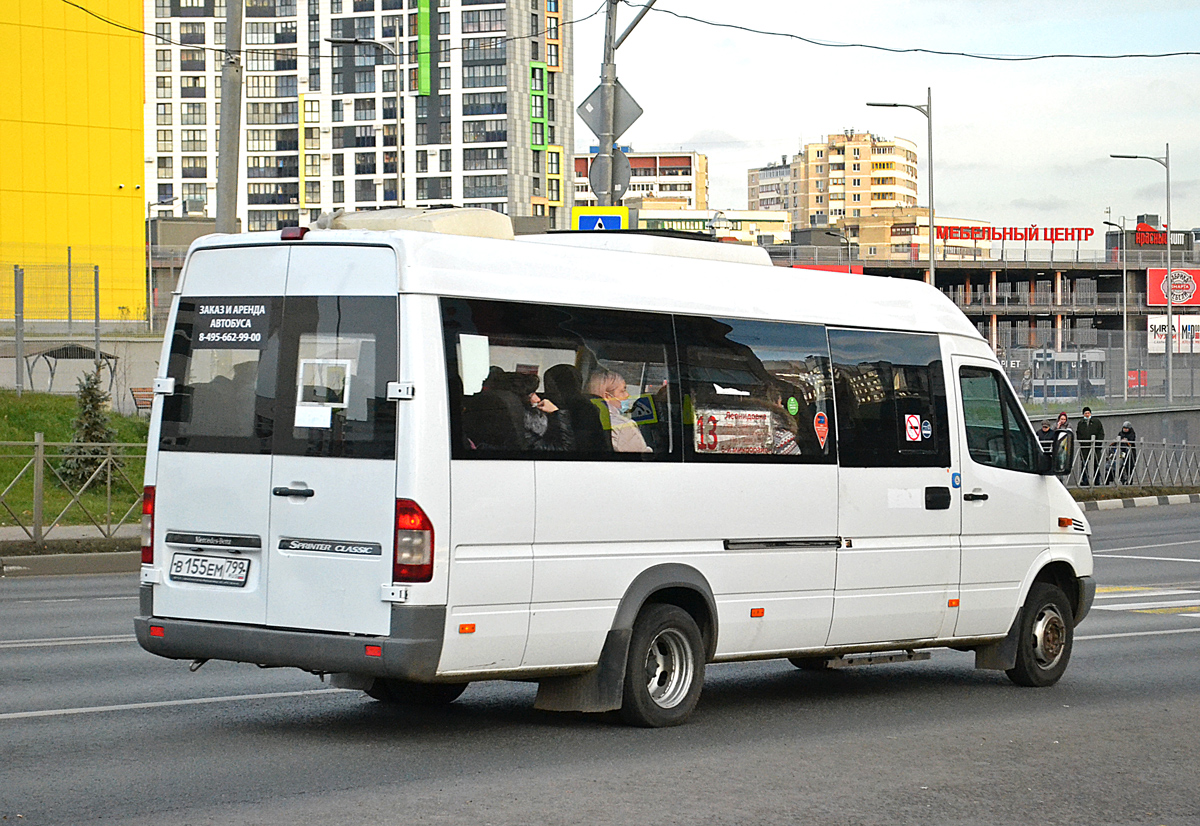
{"points": [[1091, 444]]}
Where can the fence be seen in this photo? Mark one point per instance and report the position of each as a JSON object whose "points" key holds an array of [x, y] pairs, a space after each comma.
{"points": [[38, 498], [1136, 464]]}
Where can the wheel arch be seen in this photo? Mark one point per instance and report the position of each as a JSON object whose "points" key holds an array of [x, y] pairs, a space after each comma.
{"points": [[601, 688]]}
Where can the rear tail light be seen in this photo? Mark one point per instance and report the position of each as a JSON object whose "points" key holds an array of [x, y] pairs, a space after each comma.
{"points": [[413, 560], [148, 525]]}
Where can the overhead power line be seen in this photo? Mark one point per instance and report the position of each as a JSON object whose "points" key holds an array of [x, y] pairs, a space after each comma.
{"points": [[911, 50]]}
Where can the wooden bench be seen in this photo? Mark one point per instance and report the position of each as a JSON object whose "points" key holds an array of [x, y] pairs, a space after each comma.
{"points": [[143, 398]]}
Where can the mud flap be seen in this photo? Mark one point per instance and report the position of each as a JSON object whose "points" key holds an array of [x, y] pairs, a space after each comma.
{"points": [[1000, 655], [597, 690]]}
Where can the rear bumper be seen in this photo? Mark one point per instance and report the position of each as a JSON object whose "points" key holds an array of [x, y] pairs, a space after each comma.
{"points": [[410, 652]]}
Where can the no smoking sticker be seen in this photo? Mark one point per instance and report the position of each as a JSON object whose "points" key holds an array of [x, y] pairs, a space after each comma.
{"points": [[912, 427]]}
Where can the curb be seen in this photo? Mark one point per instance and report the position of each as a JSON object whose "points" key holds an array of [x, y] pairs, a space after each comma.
{"points": [[1141, 502], [118, 562]]}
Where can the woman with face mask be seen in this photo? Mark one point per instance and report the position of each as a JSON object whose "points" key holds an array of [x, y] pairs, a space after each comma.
{"points": [[610, 387]]}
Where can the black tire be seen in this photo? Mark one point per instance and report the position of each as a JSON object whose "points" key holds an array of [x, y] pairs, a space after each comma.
{"points": [[400, 692], [1046, 636], [665, 670]]}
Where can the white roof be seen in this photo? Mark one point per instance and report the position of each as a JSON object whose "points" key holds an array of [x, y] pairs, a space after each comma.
{"points": [[574, 274]]}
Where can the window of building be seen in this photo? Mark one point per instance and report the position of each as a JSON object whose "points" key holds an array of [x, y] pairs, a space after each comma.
{"points": [[489, 20], [339, 164], [537, 79], [590, 363], [364, 163], [339, 192], [162, 8], [194, 167], [165, 169], [312, 166], [364, 109], [162, 86], [312, 192], [364, 191], [162, 60], [193, 114], [192, 87], [389, 80], [166, 192], [164, 140], [162, 33], [444, 160], [336, 115], [163, 114], [191, 60], [485, 186], [485, 131], [890, 393], [193, 140]]}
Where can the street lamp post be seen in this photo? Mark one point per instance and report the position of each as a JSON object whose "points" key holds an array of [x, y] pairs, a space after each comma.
{"points": [[1165, 163], [842, 236], [150, 264], [395, 50], [1124, 308], [927, 111]]}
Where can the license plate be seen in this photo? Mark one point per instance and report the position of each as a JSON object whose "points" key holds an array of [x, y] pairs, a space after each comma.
{"points": [[211, 570]]}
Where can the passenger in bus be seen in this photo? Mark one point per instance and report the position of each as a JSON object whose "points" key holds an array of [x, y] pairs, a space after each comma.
{"points": [[564, 387], [544, 426], [610, 387]]}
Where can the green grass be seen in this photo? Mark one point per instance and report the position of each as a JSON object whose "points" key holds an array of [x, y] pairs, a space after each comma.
{"points": [[52, 415]]}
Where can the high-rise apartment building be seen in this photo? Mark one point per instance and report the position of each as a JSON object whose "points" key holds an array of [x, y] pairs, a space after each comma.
{"points": [[846, 175], [676, 176], [479, 93]]}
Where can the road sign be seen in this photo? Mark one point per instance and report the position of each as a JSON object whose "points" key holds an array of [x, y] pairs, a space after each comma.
{"points": [[625, 111], [598, 175], [600, 218]]}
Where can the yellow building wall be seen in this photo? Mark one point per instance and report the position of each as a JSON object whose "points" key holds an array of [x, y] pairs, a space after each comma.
{"points": [[71, 165]]}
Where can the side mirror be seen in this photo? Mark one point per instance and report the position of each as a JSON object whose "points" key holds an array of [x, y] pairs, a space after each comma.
{"points": [[1062, 453]]}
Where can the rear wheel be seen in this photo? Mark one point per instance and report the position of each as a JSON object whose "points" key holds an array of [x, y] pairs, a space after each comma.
{"points": [[665, 669], [401, 692], [1047, 632]]}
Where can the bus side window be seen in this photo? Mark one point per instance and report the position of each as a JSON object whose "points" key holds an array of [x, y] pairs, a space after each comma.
{"points": [[758, 390], [558, 383], [891, 399]]}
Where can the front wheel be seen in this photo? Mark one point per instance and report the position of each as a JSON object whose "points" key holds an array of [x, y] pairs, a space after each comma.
{"points": [[401, 692], [665, 669], [1047, 632]]}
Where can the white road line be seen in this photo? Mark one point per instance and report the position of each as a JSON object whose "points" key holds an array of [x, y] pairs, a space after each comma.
{"points": [[1137, 606], [1144, 547], [54, 643], [1139, 634], [62, 712], [1151, 558]]}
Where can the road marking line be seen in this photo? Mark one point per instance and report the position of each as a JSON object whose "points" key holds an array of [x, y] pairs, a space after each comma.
{"points": [[1137, 606], [1139, 634], [1151, 558], [52, 643], [1122, 593], [1155, 545], [1182, 610], [62, 712]]}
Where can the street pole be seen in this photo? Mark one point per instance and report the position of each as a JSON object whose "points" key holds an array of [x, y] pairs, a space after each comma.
{"points": [[229, 136], [1124, 308], [608, 102], [149, 263], [927, 111], [1165, 162]]}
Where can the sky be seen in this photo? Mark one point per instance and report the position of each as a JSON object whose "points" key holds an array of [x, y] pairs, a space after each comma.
{"points": [[1015, 143]]}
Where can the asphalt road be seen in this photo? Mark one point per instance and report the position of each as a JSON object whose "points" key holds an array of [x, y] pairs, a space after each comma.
{"points": [[94, 730]]}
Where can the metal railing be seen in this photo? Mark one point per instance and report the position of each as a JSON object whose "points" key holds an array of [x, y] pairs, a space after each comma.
{"points": [[1135, 464], [39, 497]]}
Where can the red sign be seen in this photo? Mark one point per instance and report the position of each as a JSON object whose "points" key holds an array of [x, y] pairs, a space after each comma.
{"points": [[1030, 233], [1137, 378], [1184, 292], [1146, 235], [821, 425]]}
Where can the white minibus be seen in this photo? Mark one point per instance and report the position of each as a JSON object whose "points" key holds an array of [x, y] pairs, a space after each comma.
{"points": [[409, 451]]}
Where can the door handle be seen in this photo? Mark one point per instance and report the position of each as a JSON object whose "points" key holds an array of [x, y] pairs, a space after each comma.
{"points": [[974, 497], [305, 492]]}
